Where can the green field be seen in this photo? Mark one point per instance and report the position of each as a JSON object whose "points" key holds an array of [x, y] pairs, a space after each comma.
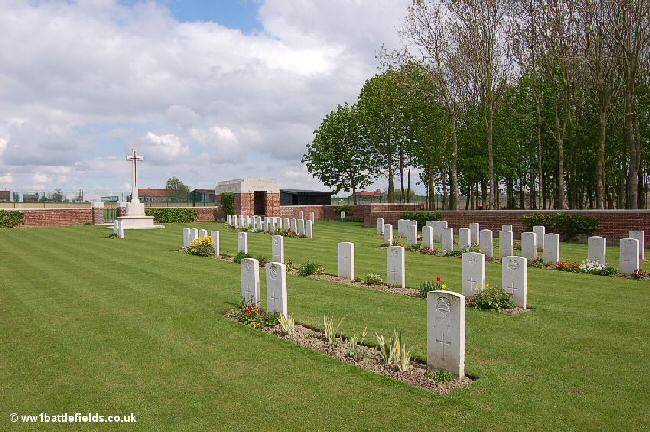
{"points": [[94, 324]]}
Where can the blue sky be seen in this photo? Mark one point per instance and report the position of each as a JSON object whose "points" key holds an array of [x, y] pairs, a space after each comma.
{"points": [[239, 14], [205, 90]]}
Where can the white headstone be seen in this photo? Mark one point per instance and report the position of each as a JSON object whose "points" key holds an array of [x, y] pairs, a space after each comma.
{"points": [[447, 240], [380, 226], [267, 224], [438, 229], [412, 234], [194, 234], [597, 249], [540, 230], [529, 245], [629, 255], [474, 228], [312, 217], [215, 243], [278, 249], [294, 225], [278, 224], [186, 236], [342, 215], [486, 243], [241, 221], [242, 242], [388, 234], [309, 229], [506, 243], [427, 237], [506, 228], [464, 239], [120, 230], [514, 278], [551, 248], [228, 219], [250, 281], [640, 236], [346, 260], [446, 332], [203, 233], [301, 227], [396, 273], [302, 215], [276, 277], [285, 224], [235, 221], [473, 273]]}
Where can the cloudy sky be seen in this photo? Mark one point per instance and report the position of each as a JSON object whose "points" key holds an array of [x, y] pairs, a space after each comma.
{"points": [[205, 90]]}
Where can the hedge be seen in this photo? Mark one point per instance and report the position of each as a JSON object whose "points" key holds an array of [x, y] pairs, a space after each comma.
{"points": [[566, 224], [11, 219], [172, 215], [422, 217]]}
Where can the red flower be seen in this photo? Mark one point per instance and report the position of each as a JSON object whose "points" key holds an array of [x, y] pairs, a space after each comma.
{"points": [[439, 278]]}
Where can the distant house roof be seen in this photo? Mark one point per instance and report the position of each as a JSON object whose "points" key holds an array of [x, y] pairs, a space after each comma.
{"points": [[203, 190], [154, 192]]}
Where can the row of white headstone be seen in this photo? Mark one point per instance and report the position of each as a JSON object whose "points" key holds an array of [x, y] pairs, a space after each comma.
{"points": [[531, 242], [118, 229], [274, 224], [191, 234]]}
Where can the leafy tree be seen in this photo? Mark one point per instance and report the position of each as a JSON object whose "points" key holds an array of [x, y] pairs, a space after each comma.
{"points": [[339, 154], [177, 189]]}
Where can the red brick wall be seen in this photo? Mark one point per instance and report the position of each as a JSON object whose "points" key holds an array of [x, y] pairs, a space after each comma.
{"points": [[613, 224], [98, 215], [57, 217], [207, 214], [272, 204]]}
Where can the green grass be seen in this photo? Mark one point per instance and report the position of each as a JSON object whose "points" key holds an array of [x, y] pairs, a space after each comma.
{"points": [[114, 326]]}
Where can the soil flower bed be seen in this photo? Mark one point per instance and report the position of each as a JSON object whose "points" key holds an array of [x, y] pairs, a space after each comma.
{"points": [[365, 357]]}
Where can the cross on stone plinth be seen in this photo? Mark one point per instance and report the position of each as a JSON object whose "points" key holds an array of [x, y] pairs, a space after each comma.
{"points": [[249, 294], [512, 287], [472, 282], [443, 343], [135, 158], [274, 297]]}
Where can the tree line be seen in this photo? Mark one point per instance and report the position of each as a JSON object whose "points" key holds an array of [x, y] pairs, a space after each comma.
{"points": [[510, 104]]}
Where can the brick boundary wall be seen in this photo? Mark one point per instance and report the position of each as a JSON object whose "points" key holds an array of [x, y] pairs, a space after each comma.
{"points": [[612, 224], [57, 217], [328, 212]]}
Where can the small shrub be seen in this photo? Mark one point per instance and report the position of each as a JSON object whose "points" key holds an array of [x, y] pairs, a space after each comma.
{"points": [[596, 268], [355, 343], [255, 316], [310, 268], [201, 247], [172, 215], [491, 298], [427, 286], [288, 326], [640, 274], [240, 256], [415, 247], [571, 267], [393, 352], [373, 279], [331, 330], [422, 217], [264, 260], [442, 376], [455, 253], [11, 218]]}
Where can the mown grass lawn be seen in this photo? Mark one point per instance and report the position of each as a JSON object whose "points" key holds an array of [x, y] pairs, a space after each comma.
{"points": [[92, 324]]}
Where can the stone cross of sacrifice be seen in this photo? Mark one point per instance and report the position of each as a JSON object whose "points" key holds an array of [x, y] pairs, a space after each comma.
{"points": [[135, 158]]}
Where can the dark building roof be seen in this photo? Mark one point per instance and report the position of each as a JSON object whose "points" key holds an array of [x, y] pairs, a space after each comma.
{"points": [[304, 197]]}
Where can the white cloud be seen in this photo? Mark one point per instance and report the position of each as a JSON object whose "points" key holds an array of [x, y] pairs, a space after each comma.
{"points": [[82, 82], [163, 149], [6, 180], [41, 178]]}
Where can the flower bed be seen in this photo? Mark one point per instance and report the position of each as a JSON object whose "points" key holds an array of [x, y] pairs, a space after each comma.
{"points": [[353, 350]]}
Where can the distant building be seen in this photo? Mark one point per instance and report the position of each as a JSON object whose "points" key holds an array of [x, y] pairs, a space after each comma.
{"points": [[110, 198], [369, 196], [202, 196], [5, 196], [304, 197], [154, 195]]}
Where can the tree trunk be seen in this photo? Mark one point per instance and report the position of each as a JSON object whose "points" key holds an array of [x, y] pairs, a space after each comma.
{"points": [[600, 164], [408, 187], [453, 195]]}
